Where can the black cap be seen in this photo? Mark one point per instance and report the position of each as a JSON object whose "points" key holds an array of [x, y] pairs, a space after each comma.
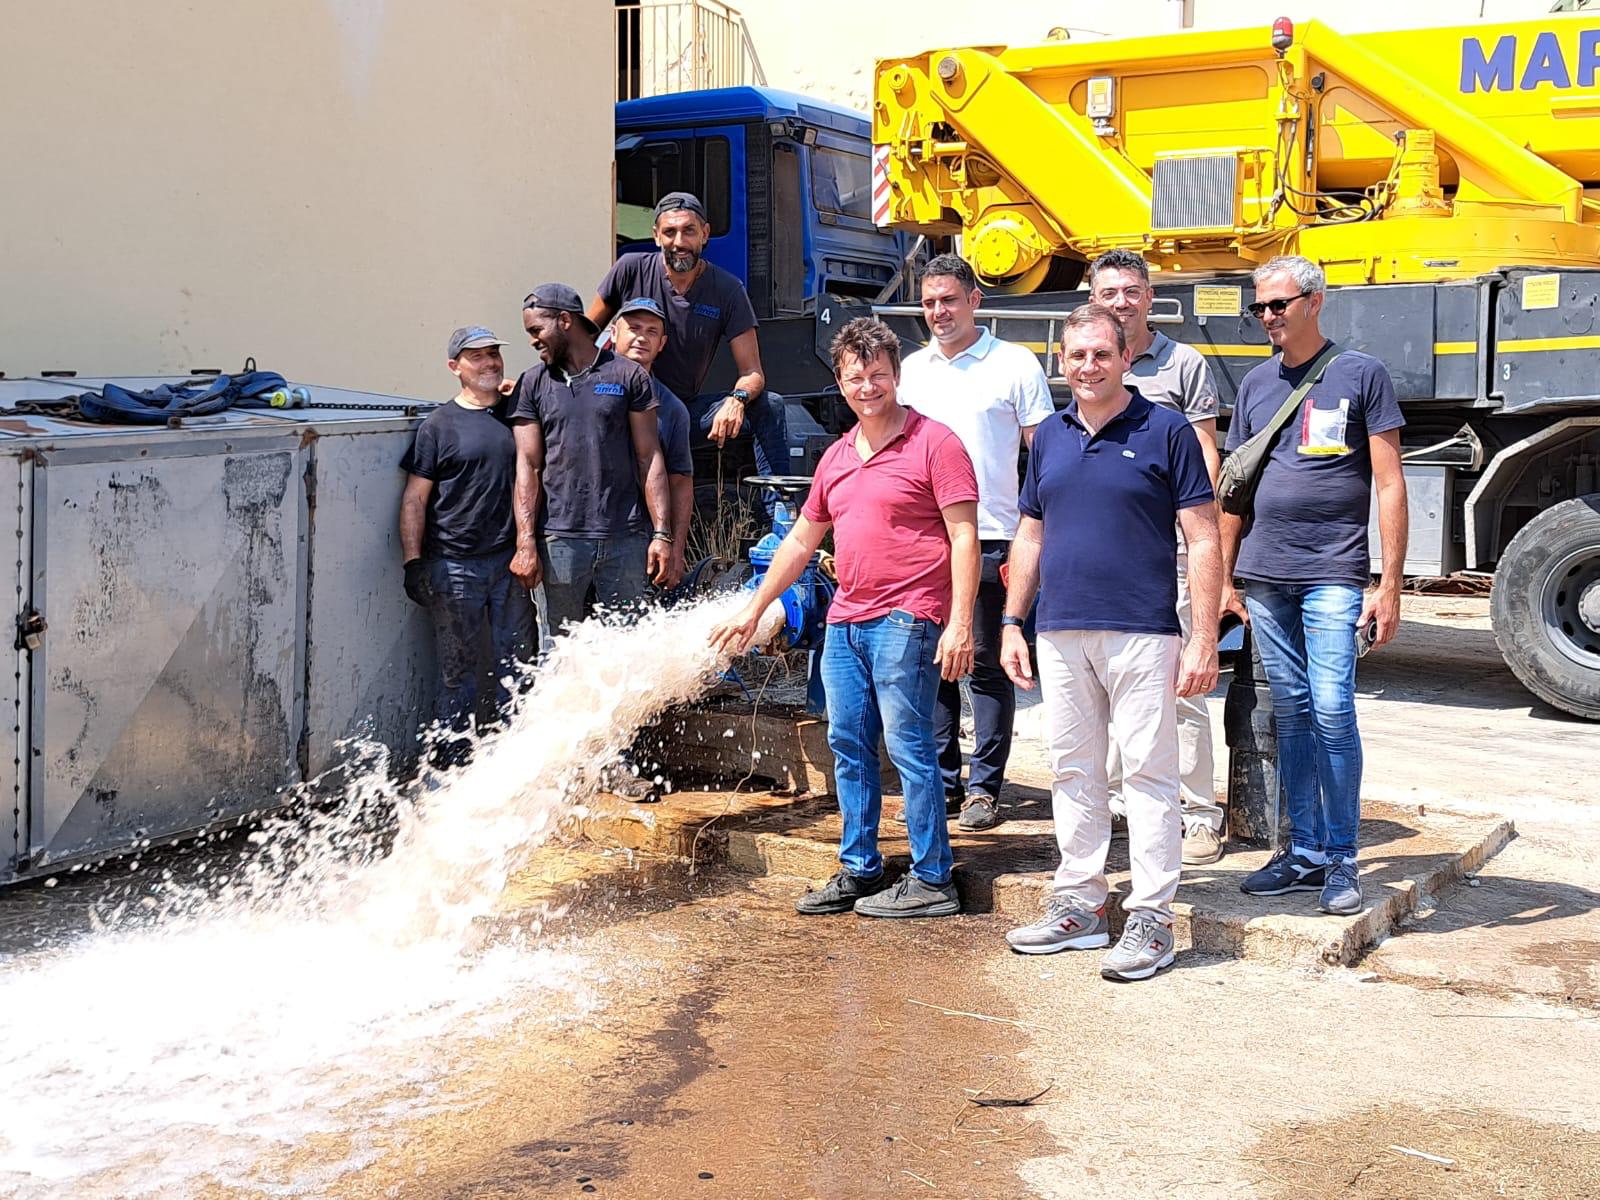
{"points": [[558, 297], [674, 201], [472, 337]]}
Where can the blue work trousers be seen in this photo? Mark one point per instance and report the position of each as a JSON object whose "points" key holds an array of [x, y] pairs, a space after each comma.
{"points": [[614, 566], [765, 420], [467, 595]]}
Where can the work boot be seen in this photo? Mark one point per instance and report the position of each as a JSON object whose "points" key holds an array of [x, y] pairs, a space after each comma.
{"points": [[1341, 894], [1064, 926], [1202, 845], [1146, 947], [979, 812], [838, 895], [1285, 872], [911, 897], [953, 798]]}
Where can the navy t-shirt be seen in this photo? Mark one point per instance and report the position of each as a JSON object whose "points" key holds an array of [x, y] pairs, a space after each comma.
{"points": [[471, 457], [715, 309], [672, 420], [1109, 503], [591, 476], [1315, 494]]}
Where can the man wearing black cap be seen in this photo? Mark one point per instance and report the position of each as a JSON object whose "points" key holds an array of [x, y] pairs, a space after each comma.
{"points": [[638, 334], [587, 447], [457, 531], [704, 306]]}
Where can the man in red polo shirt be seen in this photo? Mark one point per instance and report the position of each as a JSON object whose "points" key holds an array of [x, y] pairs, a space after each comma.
{"points": [[901, 496]]}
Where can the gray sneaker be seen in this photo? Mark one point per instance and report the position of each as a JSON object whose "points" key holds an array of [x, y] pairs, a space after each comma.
{"points": [[979, 812], [838, 895], [911, 897], [1146, 947], [1064, 926]]}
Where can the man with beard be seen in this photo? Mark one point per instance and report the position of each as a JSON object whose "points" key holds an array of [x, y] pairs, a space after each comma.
{"points": [[457, 531], [587, 447], [704, 306]]}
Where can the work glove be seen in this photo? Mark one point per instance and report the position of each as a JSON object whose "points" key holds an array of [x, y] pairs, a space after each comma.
{"points": [[417, 586]]}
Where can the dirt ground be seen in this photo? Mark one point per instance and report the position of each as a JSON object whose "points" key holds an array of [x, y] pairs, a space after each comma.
{"points": [[726, 1047]]}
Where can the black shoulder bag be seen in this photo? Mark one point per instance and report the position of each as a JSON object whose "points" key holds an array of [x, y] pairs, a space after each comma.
{"points": [[1241, 470]]}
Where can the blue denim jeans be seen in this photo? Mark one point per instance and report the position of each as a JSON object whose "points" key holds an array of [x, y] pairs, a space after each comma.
{"points": [[1307, 637], [469, 594], [614, 566], [765, 420], [881, 682]]}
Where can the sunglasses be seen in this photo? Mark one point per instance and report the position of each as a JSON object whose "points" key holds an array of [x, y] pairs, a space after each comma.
{"points": [[1260, 307]]}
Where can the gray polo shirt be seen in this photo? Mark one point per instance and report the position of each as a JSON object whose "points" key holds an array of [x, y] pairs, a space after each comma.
{"points": [[1175, 376]]}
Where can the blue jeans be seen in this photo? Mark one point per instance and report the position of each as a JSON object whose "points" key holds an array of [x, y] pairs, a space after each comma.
{"points": [[765, 420], [469, 593], [994, 699], [1307, 637], [881, 682], [614, 565]]}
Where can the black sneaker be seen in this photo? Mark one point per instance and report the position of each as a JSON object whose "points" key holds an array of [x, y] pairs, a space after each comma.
{"points": [[979, 812], [838, 895], [911, 897], [1285, 872], [953, 800]]}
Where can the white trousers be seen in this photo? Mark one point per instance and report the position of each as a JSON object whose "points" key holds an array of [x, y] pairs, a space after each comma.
{"points": [[1098, 687], [1197, 785]]}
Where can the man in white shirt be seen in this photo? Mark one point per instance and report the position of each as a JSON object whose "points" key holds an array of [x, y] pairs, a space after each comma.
{"points": [[1174, 376], [992, 394]]}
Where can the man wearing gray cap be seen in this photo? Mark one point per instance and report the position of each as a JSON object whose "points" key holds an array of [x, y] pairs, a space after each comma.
{"points": [[704, 306], [591, 488], [457, 532]]}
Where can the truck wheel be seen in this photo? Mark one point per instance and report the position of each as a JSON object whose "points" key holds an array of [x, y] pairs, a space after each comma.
{"points": [[1546, 606]]}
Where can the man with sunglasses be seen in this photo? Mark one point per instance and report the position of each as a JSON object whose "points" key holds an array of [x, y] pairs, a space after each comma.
{"points": [[1303, 559], [1174, 376]]}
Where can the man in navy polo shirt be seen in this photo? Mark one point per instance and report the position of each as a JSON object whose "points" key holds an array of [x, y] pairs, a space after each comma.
{"points": [[1109, 480], [704, 306], [587, 447]]}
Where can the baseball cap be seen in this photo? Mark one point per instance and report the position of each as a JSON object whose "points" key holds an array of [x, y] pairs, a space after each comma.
{"points": [[558, 297], [645, 305], [472, 337], [673, 201]]}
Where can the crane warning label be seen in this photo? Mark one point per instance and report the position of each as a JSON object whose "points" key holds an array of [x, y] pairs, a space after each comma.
{"points": [[1218, 301], [1540, 291]]}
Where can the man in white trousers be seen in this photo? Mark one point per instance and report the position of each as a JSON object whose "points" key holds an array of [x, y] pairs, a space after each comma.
{"points": [[1110, 479]]}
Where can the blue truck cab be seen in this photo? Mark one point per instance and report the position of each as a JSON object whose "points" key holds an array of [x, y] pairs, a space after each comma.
{"points": [[787, 185]]}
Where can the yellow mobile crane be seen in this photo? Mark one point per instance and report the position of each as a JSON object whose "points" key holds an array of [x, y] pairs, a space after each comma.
{"points": [[1447, 179]]}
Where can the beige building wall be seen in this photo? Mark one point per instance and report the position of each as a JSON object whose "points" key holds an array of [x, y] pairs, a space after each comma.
{"points": [[328, 185], [826, 48]]}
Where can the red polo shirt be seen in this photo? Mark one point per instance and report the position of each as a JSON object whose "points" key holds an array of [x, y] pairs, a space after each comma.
{"points": [[891, 549]]}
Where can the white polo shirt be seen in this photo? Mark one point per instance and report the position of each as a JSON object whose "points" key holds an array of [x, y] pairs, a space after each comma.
{"points": [[987, 395]]}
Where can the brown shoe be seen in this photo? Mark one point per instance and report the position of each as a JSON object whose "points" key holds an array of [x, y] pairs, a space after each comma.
{"points": [[979, 812], [1202, 846]]}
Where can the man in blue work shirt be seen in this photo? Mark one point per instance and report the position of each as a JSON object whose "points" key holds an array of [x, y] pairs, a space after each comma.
{"points": [[1304, 562], [1109, 480], [591, 490], [638, 335], [704, 306], [457, 531]]}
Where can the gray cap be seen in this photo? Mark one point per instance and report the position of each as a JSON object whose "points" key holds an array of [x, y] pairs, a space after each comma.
{"points": [[472, 337], [642, 304], [558, 297], [674, 201]]}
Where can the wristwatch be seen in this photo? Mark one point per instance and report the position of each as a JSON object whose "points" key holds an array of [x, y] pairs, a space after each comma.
{"points": [[739, 394], [1014, 622], [661, 535]]}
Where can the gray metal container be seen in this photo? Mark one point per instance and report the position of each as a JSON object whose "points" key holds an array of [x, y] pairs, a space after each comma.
{"points": [[221, 604]]}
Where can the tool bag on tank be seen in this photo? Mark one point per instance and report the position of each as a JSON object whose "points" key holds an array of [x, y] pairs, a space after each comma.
{"points": [[1241, 470]]}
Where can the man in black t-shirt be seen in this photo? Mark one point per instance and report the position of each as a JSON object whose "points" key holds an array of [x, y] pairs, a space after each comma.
{"points": [[457, 531], [591, 491], [704, 306]]}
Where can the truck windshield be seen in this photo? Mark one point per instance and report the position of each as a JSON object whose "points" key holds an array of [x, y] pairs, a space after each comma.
{"points": [[651, 169], [841, 182]]}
